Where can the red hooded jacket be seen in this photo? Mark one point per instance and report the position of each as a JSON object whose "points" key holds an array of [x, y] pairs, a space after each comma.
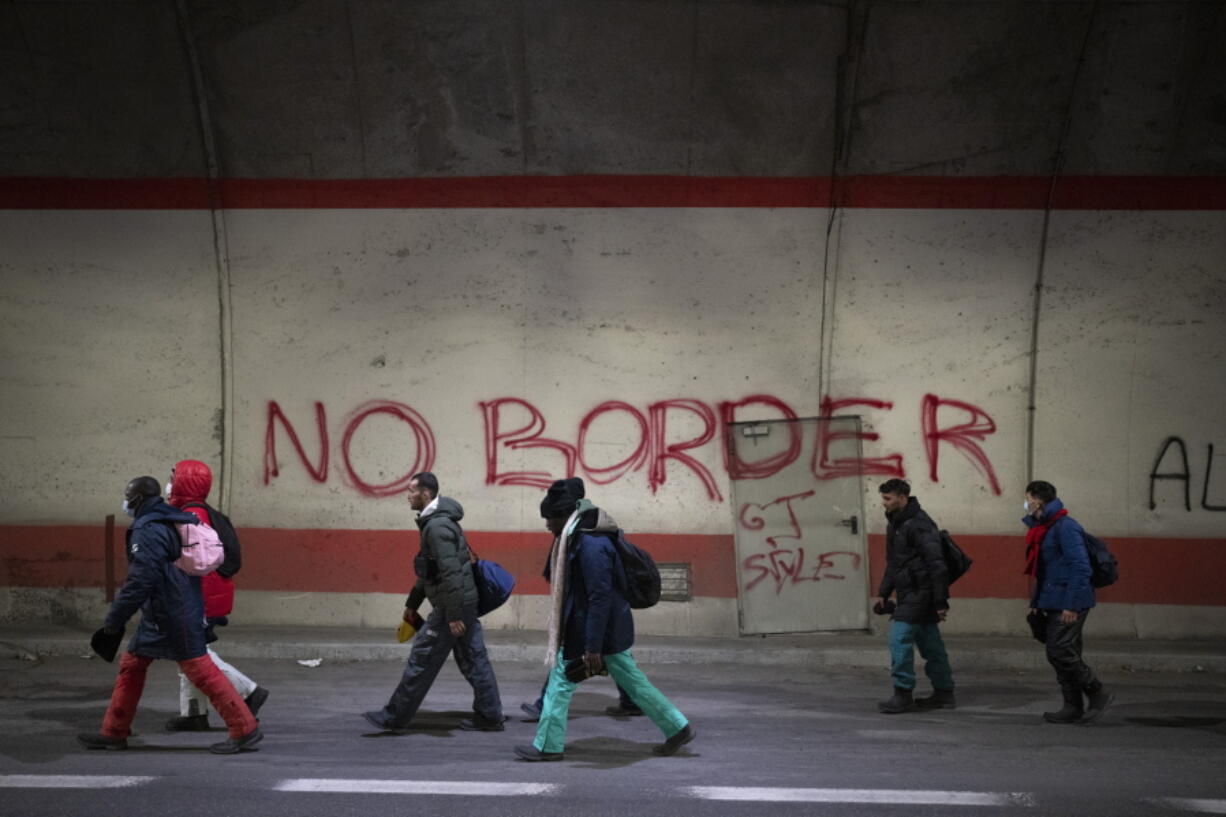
{"points": [[191, 482]]}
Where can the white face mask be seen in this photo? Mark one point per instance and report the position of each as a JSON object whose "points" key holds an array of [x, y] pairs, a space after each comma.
{"points": [[168, 486], [1025, 506], [128, 509]]}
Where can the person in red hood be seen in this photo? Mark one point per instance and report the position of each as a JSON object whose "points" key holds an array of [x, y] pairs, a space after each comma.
{"points": [[189, 486]]}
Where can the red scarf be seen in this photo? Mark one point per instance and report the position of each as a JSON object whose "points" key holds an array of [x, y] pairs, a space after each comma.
{"points": [[1034, 539]]}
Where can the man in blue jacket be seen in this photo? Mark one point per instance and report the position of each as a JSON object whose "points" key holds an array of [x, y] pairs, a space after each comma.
{"points": [[590, 622], [1057, 557], [171, 625]]}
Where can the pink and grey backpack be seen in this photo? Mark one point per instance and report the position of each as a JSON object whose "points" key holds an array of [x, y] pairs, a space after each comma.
{"points": [[202, 549]]}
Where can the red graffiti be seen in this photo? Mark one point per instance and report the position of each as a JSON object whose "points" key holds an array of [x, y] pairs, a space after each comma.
{"points": [[758, 523], [423, 442], [787, 567], [423, 437], [825, 468], [768, 466], [319, 472], [961, 437], [527, 436], [611, 473], [652, 447]]}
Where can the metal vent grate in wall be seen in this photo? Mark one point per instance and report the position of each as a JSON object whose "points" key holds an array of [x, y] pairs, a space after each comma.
{"points": [[675, 582]]}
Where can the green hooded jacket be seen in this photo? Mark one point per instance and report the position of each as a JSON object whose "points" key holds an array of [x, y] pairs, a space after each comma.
{"points": [[443, 563]]}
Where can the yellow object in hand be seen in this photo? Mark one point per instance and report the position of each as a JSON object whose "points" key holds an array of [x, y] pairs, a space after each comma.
{"points": [[408, 629]]}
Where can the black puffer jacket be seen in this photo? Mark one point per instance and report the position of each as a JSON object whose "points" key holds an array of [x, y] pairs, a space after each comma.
{"points": [[914, 568]]}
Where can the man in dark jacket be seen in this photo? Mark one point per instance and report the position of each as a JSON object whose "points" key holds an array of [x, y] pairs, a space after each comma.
{"points": [[590, 622], [915, 572], [171, 626], [444, 576], [1058, 559]]}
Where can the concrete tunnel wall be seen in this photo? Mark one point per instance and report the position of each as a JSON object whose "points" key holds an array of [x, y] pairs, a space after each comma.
{"points": [[427, 225]]}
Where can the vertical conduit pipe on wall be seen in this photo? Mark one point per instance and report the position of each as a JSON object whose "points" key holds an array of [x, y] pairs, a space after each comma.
{"points": [[221, 258], [1057, 169]]}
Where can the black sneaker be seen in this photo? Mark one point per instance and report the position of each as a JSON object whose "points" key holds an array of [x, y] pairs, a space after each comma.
{"points": [[674, 743], [94, 741], [188, 723], [233, 746], [480, 724], [532, 711], [256, 699], [533, 755], [619, 711]]}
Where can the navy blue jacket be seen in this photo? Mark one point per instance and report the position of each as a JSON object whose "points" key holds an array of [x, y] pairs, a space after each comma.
{"points": [[1063, 577], [595, 614], [170, 601]]}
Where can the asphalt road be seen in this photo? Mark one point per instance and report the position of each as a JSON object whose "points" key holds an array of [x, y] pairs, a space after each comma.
{"points": [[771, 741]]}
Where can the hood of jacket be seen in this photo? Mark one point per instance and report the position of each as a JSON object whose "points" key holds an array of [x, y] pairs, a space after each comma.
{"points": [[191, 482], [447, 507], [157, 510], [1049, 510], [908, 511], [601, 522]]}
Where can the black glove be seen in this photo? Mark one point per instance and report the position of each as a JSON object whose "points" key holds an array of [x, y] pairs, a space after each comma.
{"points": [[886, 609], [106, 643], [1038, 625]]}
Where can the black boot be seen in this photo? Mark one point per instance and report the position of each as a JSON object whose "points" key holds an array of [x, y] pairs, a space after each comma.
{"points": [[1070, 712], [900, 702], [1099, 700], [938, 699]]}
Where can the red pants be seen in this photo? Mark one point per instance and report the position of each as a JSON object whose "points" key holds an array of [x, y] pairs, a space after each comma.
{"points": [[200, 671]]}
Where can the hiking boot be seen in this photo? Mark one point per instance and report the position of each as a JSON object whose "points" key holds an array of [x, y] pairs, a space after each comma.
{"points": [[674, 743], [93, 741], [899, 703], [619, 711], [233, 746], [940, 698], [188, 723], [533, 755], [255, 700], [1072, 710], [1097, 704], [479, 724]]}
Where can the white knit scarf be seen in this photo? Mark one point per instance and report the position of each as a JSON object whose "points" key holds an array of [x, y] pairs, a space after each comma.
{"points": [[557, 580]]}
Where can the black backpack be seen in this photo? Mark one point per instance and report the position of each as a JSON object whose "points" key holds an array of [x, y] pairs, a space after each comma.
{"points": [[219, 522], [1104, 569], [956, 562], [642, 575]]}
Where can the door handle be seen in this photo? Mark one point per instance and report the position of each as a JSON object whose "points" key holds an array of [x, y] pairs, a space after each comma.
{"points": [[852, 522]]}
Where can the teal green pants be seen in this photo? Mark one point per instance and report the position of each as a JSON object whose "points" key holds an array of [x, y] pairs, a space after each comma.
{"points": [[551, 733]]}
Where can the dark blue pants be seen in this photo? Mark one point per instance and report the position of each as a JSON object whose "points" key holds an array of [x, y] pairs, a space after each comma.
{"points": [[431, 646]]}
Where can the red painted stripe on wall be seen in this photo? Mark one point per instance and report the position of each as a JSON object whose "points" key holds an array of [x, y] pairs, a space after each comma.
{"points": [[1152, 571], [916, 192]]}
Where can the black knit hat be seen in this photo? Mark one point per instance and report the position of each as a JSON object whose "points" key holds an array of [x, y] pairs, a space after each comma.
{"points": [[562, 498]]}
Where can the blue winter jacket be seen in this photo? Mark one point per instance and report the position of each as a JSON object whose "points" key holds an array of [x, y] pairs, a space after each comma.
{"points": [[596, 616], [170, 601], [1063, 578]]}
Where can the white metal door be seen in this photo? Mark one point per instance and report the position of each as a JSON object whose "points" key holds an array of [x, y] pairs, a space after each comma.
{"points": [[802, 563]]}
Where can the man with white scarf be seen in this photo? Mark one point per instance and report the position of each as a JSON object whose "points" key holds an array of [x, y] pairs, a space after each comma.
{"points": [[590, 621]]}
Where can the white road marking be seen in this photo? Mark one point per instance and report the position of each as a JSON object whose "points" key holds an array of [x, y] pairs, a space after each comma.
{"points": [[70, 781], [1192, 804], [309, 784], [879, 796]]}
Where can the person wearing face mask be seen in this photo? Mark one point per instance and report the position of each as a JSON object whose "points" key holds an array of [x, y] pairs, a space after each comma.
{"points": [[171, 626], [1057, 558], [188, 489]]}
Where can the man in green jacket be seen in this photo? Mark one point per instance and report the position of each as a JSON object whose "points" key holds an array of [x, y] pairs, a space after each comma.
{"points": [[444, 577]]}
